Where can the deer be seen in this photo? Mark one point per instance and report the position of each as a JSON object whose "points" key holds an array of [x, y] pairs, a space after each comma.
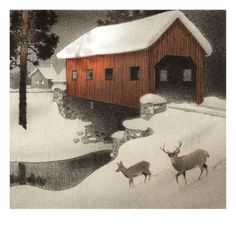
{"points": [[188, 161], [140, 168]]}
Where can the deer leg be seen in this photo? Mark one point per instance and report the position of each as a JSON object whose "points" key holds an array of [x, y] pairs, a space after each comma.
{"points": [[145, 177], [184, 174], [202, 169], [149, 176], [177, 175], [205, 166], [130, 182]]}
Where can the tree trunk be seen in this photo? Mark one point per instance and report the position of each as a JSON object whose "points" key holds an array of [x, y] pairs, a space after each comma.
{"points": [[23, 70]]}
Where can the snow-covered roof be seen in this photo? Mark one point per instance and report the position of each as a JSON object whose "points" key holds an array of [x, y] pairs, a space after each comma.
{"points": [[61, 77], [136, 124], [47, 72], [152, 98], [130, 36]]}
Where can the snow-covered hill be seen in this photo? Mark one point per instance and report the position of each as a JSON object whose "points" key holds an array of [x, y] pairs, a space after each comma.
{"points": [[106, 188]]}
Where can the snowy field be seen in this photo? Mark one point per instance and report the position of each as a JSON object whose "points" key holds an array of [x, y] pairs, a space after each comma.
{"points": [[48, 136], [211, 106], [106, 188]]}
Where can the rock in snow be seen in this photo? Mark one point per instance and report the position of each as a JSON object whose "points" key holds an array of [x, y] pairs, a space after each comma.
{"points": [[76, 140], [118, 135]]}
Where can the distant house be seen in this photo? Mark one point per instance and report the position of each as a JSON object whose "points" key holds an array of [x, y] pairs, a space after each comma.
{"points": [[119, 63], [42, 77], [60, 80]]}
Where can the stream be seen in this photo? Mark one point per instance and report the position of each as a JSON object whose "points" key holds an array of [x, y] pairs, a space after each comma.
{"points": [[57, 175]]}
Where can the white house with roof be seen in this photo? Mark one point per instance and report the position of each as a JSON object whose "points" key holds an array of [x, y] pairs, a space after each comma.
{"points": [[42, 77], [60, 80]]}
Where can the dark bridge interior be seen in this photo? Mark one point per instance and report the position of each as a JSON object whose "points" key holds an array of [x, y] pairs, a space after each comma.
{"points": [[176, 78]]}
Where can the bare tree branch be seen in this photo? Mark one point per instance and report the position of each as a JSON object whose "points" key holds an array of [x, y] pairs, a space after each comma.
{"points": [[14, 64], [31, 48], [35, 63]]}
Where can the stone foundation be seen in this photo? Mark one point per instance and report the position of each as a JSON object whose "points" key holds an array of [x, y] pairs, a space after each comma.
{"points": [[93, 135], [135, 133], [67, 106], [148, 110]]}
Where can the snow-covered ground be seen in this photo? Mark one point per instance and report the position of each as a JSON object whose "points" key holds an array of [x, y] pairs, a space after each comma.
{"points": [[106, 188], [211, 106], [32, 90], [48, 136], [215, 103]]}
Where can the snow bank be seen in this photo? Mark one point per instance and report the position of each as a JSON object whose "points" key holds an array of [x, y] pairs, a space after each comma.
{"points": [[152, 98], [214, 102], [48, 136], [59, 86], [136, 124], [118, 135], [161, 192], [211, 106], [129, 36], [33, 90], [106, 188]]}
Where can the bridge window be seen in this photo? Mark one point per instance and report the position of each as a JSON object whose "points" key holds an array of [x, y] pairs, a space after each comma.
{"points": [[134, 73], [187, 75], [74, 74], [108, 74], [163, 75], [89, 74]]}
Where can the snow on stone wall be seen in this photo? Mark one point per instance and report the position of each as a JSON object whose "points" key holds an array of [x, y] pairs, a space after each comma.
{"points": [[152, 98], [136, 124], [151, 104]]}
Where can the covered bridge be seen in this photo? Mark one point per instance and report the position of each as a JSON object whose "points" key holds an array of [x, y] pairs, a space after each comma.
{"points": [[119, 63]]}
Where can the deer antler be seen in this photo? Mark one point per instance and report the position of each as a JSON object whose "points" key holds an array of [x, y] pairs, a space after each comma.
{"points": [[177, 149], [163, 149]]}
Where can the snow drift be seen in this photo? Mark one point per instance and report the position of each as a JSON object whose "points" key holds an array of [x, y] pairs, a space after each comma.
{"points": [[108, 189]]}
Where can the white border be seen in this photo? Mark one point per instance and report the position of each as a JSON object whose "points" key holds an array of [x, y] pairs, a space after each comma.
{"points": [[118, 222]]}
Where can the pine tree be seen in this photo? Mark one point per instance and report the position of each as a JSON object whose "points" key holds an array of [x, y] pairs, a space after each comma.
{"points": [[120, 16], [30, 41]]}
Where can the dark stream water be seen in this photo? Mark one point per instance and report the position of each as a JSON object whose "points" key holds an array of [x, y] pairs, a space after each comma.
{"points": [[57, 175]]}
